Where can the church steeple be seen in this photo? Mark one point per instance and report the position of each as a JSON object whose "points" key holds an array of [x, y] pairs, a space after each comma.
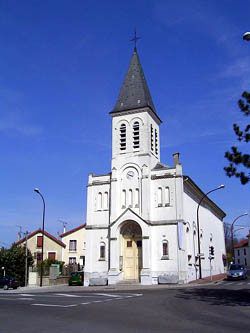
{"points": [[134, 93]]}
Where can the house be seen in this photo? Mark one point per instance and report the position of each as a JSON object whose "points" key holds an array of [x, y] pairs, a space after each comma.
{"points": [[242, 252], [52, 247], [141, 223], [75, 245]]}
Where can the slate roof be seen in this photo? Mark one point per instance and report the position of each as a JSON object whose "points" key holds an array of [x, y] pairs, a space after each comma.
{"points": [[134, 92]]}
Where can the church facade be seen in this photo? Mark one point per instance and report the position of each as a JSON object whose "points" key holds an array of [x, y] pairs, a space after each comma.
{"points": [[141, 223]]}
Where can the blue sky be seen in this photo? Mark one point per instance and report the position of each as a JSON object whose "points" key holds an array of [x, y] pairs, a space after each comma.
{"points": [[61, 67]]}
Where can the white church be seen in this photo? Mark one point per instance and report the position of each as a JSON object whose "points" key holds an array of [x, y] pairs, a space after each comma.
{"points": [[141, 224]]}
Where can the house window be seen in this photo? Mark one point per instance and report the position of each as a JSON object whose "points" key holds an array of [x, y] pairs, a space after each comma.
{"points": [[123, 198], [123, 137], [72, 245], [238, 252], [152, 137], [136, 135], [72, 260], [106, 200], [39, 241], [164, 249], [51, 255], [245, 252], [245, 261], [159, 196], [156, 142], [167, 196], [99, 201], [238, 261], [102, 251], [39, 256], [82, 260]]}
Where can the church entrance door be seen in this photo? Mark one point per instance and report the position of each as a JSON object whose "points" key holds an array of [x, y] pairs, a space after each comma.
{"points": [[132, 251]]}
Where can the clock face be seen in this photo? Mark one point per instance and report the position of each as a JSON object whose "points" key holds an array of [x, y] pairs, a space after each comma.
{"points": [[130, 174]]}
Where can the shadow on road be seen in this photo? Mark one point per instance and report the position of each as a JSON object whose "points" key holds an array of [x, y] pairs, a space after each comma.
{"points": [[217, 296]]}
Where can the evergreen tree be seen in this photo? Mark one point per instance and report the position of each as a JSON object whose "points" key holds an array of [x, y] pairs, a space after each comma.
{"points": [[13, 260], [235, 157]]}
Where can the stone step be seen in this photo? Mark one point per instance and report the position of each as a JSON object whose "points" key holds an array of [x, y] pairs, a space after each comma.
{"points": [[128, 282]]}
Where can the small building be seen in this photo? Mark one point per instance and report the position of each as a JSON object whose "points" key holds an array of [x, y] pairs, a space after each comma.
{"points": [[52, 247], [242, 252], [74, 251]]}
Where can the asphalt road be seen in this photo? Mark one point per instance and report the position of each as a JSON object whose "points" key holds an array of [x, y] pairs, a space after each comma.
{"points": [[223, 307]]}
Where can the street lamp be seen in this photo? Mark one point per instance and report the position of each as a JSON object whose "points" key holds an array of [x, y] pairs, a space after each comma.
{"points": [[246, 36], [41, 275], [198, 225], [232, 232]]}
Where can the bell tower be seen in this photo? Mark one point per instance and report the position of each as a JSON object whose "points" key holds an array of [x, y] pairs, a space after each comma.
{"points": [[135, 123]]}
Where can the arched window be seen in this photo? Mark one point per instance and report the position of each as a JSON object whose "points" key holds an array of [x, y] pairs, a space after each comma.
{"points": [[136, 197], [159, 196], [152, 137], [123, 137], [102, 251], [167, 196], [165, 248], [123, 198], [105, 200], [156, 142], [136, 135], [130, 198], [99, 201]]}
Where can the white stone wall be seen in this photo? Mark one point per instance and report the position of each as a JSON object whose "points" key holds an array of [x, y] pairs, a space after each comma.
{"points": [[211, 234]]}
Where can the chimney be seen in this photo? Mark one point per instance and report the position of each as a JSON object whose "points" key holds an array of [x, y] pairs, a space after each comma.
{"points": [[176, 157]]}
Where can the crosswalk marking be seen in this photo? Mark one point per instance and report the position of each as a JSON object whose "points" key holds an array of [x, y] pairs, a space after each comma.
{"points": [[55, 305]]}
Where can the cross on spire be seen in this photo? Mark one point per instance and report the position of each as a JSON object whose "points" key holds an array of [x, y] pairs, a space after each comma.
{"points": [[135, 39]]}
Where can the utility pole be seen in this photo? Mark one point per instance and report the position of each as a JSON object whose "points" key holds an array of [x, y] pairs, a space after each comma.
{"points": [[26, 259]]}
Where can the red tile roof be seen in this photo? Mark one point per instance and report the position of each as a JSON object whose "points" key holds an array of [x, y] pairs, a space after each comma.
{"points": [[45, 233], [242, 243], [73, 230]]}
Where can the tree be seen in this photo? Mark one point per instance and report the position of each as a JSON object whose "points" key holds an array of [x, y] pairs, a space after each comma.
{"points": [[235, 157], [13, 260]]}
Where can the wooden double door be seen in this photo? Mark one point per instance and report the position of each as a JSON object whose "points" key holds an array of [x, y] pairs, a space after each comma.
{"points": [[132, 257]]}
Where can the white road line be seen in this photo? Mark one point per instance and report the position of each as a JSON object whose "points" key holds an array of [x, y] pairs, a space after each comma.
{"points": [[108, 295], [248, 283], [240, 284], [25, 299], [68, 295], [230, 283], [85, 303], [55, 305], [26, 295]]}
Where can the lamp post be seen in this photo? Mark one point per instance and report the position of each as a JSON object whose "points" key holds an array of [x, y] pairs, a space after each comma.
{"points": [[246, 36], [232, 232], [41, 275], [198, 225]]}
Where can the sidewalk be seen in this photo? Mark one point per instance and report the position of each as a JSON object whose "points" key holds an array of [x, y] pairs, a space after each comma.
{"points": [[207, 279], [115, 288]]}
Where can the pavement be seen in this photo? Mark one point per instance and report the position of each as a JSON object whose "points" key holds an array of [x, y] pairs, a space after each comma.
{"points": [[217, 306], [118, 287]]}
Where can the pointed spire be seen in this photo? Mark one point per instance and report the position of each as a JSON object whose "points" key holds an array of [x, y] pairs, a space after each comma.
{"points": [[134, 92]]}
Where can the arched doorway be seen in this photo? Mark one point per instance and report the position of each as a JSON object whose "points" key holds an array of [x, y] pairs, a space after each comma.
{"points": [[131, 243]]}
